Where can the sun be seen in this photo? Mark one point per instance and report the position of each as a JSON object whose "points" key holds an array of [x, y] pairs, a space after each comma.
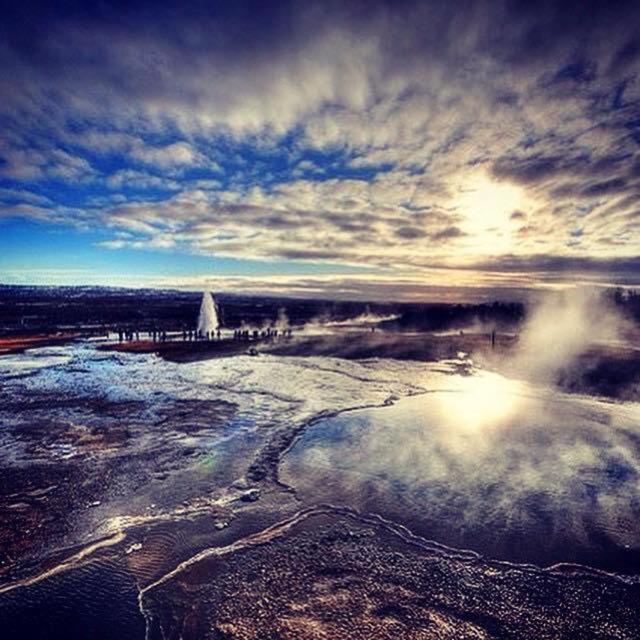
{"points": [[486, 206]]}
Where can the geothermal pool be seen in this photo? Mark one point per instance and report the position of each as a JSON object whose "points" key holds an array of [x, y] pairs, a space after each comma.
{"points": [[488, 463], [126, 474]]}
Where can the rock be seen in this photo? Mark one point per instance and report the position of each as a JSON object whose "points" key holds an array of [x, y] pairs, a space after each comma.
{"points": [[251, 495], [136, 546]]}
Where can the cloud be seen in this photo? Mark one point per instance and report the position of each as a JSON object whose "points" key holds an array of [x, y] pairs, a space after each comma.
{"points": [[331, 131], [132, 178], [27, 163], [447, 233], [177, 154], [410, 233]]}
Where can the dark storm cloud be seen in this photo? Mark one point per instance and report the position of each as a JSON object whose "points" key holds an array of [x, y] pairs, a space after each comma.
{"points": [[449, 232], [410, 233], [196, 126]]}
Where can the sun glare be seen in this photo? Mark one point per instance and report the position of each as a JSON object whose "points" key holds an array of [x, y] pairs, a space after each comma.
{"points": [[484, 399], [487, 206]]}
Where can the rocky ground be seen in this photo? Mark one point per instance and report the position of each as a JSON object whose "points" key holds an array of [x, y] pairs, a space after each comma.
{"points": [[334, 576]]}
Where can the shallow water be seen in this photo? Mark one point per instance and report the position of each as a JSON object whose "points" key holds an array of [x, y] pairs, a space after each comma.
{"points": [[76, 604]]}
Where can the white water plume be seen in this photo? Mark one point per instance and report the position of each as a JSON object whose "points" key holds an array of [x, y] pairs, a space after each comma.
{"points": [[208, 316]]}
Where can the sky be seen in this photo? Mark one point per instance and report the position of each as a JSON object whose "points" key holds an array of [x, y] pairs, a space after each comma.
{"points": [[373, 149]]}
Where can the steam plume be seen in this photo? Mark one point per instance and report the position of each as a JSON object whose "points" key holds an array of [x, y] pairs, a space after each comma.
{"points": [[561, 327]]}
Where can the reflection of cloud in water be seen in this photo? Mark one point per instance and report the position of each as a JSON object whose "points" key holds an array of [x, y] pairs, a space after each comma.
{"points": [[490, 463]]}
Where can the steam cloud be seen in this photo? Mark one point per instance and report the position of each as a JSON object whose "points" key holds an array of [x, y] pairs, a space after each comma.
{"points": [[282, 321], [326, 321], [561, 327]]}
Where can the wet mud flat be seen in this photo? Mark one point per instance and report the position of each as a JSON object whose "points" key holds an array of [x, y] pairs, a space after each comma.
{"points": [[70, 464]]}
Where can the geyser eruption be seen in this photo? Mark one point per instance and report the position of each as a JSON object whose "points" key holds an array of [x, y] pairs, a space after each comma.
{"points": [[208, 316]]}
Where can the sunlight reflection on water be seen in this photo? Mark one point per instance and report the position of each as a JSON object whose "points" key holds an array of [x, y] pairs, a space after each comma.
{"points": [[478, 400]]}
